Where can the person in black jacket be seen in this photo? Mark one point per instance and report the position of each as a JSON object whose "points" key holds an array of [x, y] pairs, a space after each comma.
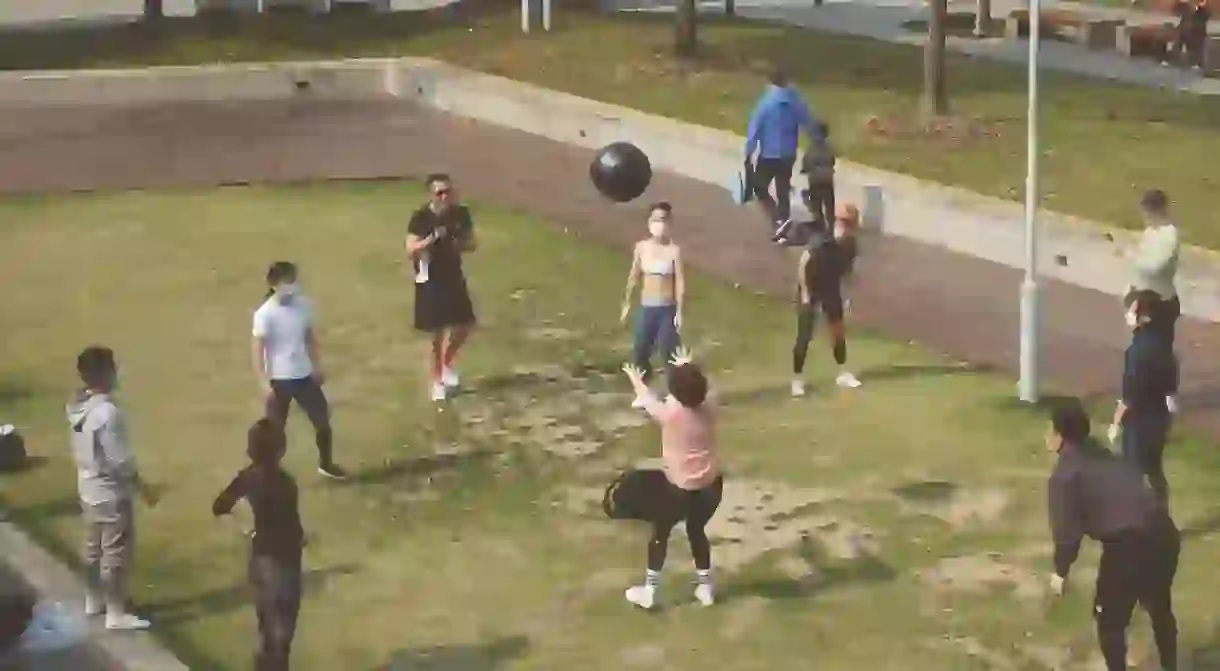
{"points": [[275, 544], [1094, 493], [1142, 418]]}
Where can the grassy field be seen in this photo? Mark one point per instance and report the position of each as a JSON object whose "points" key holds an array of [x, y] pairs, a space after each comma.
{"points": [[898, 526], [1103, 143]]}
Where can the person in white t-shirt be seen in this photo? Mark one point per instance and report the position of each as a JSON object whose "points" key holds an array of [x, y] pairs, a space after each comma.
{"points": [[286, 360]]}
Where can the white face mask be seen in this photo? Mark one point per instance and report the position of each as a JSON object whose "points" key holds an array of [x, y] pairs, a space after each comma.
{"points": [[657, 229], [1132, 320]]}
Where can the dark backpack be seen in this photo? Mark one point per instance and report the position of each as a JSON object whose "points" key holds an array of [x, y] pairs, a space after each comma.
{"points": [[12, 449], [638, 494]]}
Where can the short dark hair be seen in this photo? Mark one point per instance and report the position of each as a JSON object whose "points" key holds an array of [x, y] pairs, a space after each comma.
{"points": [[1155, 201], [95, 364], [1070, 420], [280, 271], [662, 205], [1145, 302], [265, 442], [437, 177], [688, 385], [779, 77]]}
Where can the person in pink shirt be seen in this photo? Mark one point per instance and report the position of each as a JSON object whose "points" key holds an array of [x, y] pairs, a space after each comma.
{"points": [[688, 450]]}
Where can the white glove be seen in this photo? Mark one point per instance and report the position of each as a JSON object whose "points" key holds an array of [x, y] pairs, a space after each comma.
{"points": [[1113, 433], [1057, 583]]}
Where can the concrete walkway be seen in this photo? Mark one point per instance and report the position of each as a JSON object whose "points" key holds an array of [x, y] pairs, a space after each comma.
{"points": [[884, 19]]}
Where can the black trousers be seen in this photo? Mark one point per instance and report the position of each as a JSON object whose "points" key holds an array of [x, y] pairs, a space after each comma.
{"points": [[779, 171], [277, 602], [309, 395], [1143, 443], [697, 508], [1138, 568], [830, 305], [821, 202]]}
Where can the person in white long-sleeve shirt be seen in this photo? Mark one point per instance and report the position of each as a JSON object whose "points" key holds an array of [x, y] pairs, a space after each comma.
{"points": [[1155, 265]]}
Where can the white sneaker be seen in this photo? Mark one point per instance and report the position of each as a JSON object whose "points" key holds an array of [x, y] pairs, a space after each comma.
{"points": [[421, 276], [703, 594], [438, 391], [847, 380], [126, 622], [94, 605], [1171, 402], [449, 378], [642, 596], [798, 388]]}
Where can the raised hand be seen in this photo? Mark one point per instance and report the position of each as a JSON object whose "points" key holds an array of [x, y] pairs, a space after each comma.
{"points": [[634, 372], [681, 357]]}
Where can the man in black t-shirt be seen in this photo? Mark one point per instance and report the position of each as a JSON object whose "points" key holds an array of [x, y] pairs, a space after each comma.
{"points": [[439, 234], [823, 269]]}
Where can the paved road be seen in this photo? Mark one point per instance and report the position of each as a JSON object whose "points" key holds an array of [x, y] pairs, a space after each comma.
{"points": [[955, 304]]}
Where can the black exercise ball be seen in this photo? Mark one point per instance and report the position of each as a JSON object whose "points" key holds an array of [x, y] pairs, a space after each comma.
{"points": [[621, 172]]}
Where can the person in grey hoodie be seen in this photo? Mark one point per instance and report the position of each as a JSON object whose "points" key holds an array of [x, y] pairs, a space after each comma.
{"points": [[108, 482], [774, 133], [1155, 267]]}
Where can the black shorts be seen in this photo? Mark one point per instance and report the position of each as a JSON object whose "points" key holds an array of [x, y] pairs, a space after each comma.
{"points": [[830, 305], [441, 303]]}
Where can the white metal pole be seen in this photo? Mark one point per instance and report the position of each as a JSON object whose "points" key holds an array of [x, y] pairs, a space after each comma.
{"points": [[546, 15], [525, 16], [1028, 385]]}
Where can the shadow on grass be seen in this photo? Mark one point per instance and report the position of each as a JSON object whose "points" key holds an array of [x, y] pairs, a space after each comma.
{"points": [[32, 462], [426, 466], [825, 575], [226, 599], [458, 657], [1207, 524], [43, 511], [926, 491], [906, 371], [11, 393], [1206, 656]]}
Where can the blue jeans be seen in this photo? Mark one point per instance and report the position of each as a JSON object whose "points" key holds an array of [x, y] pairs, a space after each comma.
{"points": [[654, 327]]}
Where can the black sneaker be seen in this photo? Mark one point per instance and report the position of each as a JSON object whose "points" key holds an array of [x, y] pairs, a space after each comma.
{"points": [[332, 471]]}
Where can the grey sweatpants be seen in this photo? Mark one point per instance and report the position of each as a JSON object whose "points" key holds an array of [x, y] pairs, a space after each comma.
{"points": [[109, 545]]}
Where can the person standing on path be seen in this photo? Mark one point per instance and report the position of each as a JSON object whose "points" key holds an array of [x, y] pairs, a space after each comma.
{"points": [[438, 235], [288, 363], [822, 270], [1093, 493], [107, 481], [1142, 418], [276, 541], [695, 486], [656, 266], [1155, 269], [774, 133], [818, 165]]}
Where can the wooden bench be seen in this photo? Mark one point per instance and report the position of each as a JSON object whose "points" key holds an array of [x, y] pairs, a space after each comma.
{"points": [[1090, 27]]}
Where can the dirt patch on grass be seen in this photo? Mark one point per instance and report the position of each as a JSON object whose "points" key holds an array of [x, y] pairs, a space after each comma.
{"points": [[980, 575], [957, 507]]}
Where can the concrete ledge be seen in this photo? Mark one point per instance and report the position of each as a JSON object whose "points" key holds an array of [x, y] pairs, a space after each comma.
{"points": [[138, 651], [1076, 251]]}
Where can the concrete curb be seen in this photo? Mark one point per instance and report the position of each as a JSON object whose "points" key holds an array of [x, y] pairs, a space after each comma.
{"points": [[1073, 250], [136, 651]]}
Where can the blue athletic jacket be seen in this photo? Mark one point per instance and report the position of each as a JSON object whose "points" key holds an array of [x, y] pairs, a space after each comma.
{"points": [[775, 126]]}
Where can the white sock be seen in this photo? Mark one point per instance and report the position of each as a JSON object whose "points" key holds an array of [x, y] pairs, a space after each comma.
{"points": [[652, 578], [703, 576]]}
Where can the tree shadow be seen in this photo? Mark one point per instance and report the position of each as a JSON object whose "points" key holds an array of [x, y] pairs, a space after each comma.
{"points": [[458, 657], [236, 596], [426, 466], [905, 371], [825, 575]]}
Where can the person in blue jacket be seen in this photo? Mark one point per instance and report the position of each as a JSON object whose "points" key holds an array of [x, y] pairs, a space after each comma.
{"points": [[774, 133]]}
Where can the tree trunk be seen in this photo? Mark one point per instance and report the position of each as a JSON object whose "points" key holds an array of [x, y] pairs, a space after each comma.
{"points": [[730, 8], [685, 29], [935, 93], [982, 18], [154, 10]]}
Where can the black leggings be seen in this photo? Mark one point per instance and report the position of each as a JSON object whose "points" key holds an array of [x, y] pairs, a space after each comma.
{"points": [[309, 395], [277, 602], [806, 318], [697, 508], [821, 202], [1138, 569], [778, 170]]}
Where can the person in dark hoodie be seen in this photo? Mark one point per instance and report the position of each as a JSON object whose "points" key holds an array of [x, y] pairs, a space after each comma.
{"points": [[275, 544], [108, 483], [818, 165], [774, 134]]}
